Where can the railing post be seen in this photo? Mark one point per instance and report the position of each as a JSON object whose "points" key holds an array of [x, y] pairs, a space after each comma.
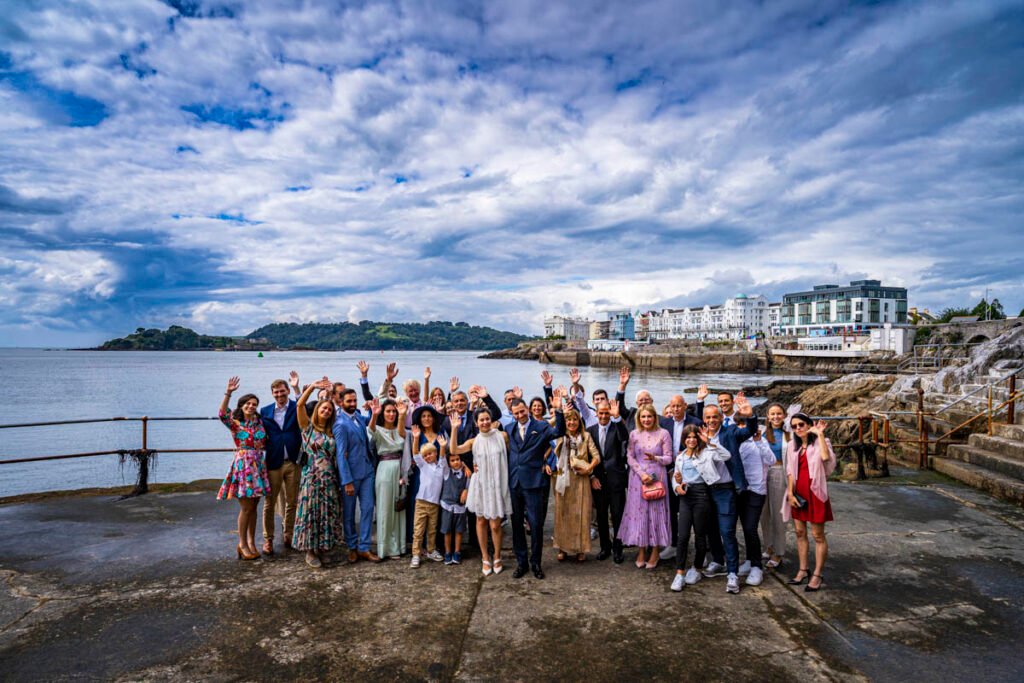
{"points": [[922, 436], [1010, 412], [990, 410], [145, 429]]}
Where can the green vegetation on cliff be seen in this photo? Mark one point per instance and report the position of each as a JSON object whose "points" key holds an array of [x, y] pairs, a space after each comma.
{"points": [[174, 338], [369, 335]]}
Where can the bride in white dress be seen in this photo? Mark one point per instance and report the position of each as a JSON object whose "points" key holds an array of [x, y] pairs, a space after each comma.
{"points": [[488, 496]]}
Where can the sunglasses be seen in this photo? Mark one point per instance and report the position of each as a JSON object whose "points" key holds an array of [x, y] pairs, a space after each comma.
{"points": [[800, 425]]}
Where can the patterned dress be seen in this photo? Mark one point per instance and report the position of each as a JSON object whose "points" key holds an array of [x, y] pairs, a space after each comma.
{"points": [[318, 519], [645, 522], [247, 477]]}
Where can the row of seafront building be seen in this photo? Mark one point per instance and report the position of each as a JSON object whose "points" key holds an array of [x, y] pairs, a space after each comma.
{"points": [[822, 314]]}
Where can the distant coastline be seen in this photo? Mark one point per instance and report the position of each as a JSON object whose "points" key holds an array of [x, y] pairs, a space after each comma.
{"points": [[363, 336]]}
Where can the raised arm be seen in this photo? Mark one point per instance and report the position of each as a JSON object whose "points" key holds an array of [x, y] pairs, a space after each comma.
{"points": [[461, 448], [224, 410], [364, 380], [300, 404], [374, 414], [426, 384], [547, 379], [744, 410]]}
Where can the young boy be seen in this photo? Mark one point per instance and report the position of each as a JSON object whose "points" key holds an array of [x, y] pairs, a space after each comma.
{"points": [[425, 517], [453, 508]]}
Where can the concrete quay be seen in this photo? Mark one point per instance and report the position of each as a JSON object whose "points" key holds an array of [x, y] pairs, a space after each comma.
{"points": [[926, 582]]}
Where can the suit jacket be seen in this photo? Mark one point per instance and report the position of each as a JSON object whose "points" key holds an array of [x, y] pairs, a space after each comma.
{"points": [[278, 438], [669, 424], [730, 439], [526, 456], [613, 470], [354, 456]]}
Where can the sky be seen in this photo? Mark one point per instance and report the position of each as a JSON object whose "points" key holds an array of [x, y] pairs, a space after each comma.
{"points": [[223, 165]]}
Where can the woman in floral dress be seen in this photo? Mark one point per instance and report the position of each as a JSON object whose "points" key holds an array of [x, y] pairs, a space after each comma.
{"points": [[247, 479], [318, 521], [645, 523]]}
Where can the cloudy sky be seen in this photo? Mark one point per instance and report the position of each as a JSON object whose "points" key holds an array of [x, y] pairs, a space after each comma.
{"points": [[222, 165]]}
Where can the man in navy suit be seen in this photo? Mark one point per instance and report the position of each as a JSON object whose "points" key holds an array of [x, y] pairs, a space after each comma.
{"points": [[674, 423], [355, 465], [529, 467], [284, 441], [611, 476]]}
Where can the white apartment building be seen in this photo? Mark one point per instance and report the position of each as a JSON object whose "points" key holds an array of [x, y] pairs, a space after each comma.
{"points": [[570, 329], [740, 317], [775, 319]]}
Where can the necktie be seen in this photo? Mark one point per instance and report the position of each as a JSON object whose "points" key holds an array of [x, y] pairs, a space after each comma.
{"points": [[522, 432], [604, 433]]}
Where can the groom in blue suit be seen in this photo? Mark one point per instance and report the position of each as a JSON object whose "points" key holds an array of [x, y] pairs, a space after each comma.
{"points": [[356, 470], [528, 480]]}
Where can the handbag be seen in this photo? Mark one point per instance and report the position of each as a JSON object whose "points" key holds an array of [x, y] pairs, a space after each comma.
{"points": [[653, 491], [801, 503], [400, 501]]}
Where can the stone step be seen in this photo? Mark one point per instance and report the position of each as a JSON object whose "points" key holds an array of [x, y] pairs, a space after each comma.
{"points": [[999, 485], [1010, 431], [1011, 448], [996, 462]]}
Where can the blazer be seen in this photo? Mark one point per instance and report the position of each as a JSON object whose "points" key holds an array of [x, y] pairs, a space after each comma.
{"points": [[526, 456], [278, 439], [355, 461], [613, 470], [730, 439]]}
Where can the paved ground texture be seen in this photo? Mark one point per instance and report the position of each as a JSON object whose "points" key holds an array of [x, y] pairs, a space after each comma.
{"points": [[926, 582]]}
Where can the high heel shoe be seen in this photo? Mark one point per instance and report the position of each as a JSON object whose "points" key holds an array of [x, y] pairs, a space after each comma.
{"points": [[795, 581], [809, 588], [242, 555]]}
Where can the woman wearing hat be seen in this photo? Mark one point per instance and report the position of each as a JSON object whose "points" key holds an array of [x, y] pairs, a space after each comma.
{"points": [[809, 461], [429, 421]]}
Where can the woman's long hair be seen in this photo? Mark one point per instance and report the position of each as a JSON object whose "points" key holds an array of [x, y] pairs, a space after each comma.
{"points": [[328, 424], [692, 429], [237, 413], [769, 431], [811, 437]]}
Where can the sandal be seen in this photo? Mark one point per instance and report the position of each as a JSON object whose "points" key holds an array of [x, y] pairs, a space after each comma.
{"points": [[561, 557], [313, 561], [582, 557], [797, 580], [497, 567], [809, 588], [773, 563], [486, 568]]}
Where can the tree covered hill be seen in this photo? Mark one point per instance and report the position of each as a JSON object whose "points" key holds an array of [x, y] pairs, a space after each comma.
{"points": [[369, 335], [176, 338]]}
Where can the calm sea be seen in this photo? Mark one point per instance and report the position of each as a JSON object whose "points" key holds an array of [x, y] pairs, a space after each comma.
{"points": [[43, 386]]}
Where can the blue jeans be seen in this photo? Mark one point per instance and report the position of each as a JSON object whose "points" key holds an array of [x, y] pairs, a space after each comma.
{"points": [[724, 496], [364, 496]]}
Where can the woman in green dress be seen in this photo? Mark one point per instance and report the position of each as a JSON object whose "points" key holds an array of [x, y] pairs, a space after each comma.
{"points": [[387, 431], [318, 520]]}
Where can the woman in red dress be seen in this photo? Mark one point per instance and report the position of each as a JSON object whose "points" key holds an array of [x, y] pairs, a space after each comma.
{"points": [[809, 460]]}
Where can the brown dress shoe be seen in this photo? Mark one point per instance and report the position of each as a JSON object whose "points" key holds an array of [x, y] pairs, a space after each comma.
{"points": [[369, 556], [353, 557]]}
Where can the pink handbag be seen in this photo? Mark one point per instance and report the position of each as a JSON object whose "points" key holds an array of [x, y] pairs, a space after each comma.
{"points": [[653, 491]]}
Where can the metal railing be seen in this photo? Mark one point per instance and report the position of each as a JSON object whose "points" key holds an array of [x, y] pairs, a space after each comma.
{"points": [[931, 356], [142, 457]]}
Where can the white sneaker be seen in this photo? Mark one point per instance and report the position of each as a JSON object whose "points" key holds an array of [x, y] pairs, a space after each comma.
{"points": [[677, 583], [435, 556], [668, 553], [756, 576], [693, 576], [415, 562], [714, 569], [744, 568], [732, 584]]}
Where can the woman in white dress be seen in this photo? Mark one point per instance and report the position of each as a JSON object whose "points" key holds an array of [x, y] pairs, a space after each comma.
{"points": [[488, 494]]}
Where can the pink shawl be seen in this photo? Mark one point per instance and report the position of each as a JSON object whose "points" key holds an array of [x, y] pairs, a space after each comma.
{"points": [[817, 468]]}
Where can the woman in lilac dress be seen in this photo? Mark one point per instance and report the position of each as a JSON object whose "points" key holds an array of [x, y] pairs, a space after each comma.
{"points": [[645, 523]]}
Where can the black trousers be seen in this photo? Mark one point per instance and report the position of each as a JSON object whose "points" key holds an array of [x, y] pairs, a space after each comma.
{"points": [[714, 537], [750, 505], [609, 500], [694, 509], [531, 505], [673, 507]]}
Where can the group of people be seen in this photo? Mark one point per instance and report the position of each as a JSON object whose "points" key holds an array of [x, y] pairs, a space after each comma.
{"points": [[427, 472]]}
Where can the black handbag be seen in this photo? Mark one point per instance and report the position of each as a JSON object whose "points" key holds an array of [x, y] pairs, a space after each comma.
{"points": [[801, 502]]}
